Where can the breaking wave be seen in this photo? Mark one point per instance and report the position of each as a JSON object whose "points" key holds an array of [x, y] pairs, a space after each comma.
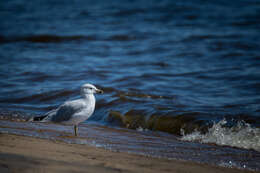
{"points": [[242, 135], [170, 123]]}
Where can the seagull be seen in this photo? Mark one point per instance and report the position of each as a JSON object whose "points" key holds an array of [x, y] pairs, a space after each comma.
{"points": [[75, 111]]}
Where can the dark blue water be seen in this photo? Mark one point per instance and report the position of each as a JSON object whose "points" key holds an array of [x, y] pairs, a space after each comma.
{"points": [[180, 67]]}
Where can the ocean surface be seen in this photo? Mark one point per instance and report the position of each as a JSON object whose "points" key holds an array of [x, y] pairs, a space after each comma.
{"points": [[181, 78]]}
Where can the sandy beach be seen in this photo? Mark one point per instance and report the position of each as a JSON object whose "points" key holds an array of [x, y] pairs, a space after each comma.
{"points": [[28, 154]]}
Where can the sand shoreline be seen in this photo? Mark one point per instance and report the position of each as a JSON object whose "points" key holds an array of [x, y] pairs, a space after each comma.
{"points": [[29, 154]]}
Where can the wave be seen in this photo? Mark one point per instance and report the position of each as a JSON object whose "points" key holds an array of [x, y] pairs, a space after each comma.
{"points": [[14, 115], [42, 97], [241, 135], [123, 37], [186, 125], [210, 37], [46, 38], [136, 119]]}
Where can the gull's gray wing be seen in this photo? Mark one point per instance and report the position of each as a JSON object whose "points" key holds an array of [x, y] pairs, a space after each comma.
{"points": [[46, 117], [65, 113]]}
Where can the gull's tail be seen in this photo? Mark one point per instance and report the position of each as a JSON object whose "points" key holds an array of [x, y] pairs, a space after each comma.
{"points": [[44, 118], [39, 118]]}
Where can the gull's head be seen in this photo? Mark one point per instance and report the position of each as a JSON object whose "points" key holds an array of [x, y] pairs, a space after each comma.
{"points": [[89, 89]]}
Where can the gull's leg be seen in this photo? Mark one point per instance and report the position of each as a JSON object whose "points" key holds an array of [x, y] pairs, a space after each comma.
{"points": [[76, 130]]}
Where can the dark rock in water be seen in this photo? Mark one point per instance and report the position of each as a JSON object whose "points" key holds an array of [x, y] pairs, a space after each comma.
{"points": [[116, 117], [135, 119], [168, 123], [173, 124]]}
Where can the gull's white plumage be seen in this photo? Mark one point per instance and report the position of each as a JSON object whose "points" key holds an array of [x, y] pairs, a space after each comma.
{"points": [[75, 111]]}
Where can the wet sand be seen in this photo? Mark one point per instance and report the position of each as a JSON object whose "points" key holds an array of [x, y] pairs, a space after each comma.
{"points": [[28, 154]]}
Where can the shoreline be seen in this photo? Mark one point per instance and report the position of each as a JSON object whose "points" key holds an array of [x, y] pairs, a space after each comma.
{"points": [[30, 154]]}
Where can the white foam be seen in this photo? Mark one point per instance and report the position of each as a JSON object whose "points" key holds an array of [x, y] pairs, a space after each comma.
{"points": [[140, 129], [231, 164], [241, 135]]}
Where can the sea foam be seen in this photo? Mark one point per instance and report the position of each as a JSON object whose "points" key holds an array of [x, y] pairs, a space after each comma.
{"points": [[241, 135]]}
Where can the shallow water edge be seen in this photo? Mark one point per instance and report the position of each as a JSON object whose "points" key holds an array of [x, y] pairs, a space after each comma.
{"points": [[142, 142]]}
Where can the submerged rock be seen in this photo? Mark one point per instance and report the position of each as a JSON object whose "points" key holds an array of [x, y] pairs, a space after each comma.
{"points": [[116, 117], [173, 124]]}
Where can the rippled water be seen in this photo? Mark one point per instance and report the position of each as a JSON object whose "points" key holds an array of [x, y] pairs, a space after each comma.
{"points": [[170, 66]]}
